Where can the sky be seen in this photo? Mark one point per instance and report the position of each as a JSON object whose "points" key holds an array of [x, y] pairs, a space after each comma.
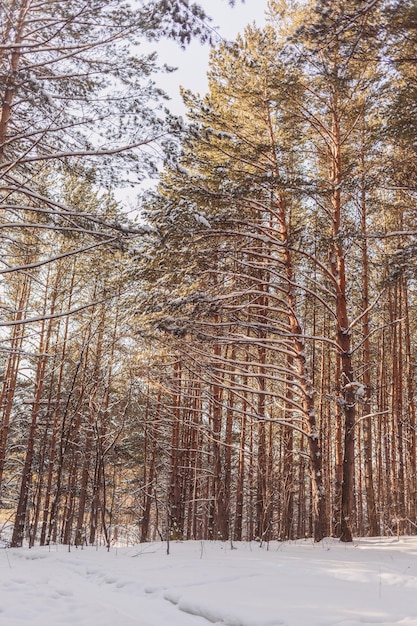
{"points": [[193, 62]]}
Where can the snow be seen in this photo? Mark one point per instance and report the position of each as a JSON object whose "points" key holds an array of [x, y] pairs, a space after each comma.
{"points": [[299, 583], [202, 220]]}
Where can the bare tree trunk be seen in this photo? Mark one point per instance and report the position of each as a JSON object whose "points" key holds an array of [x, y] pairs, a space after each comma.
{"points": [[152, 440], [343, 331], [374, 530], [411, 449], [218, 514], [22, 506], [174, 496], [304, 376], [9, 84], [238, 527], [10, 377]]}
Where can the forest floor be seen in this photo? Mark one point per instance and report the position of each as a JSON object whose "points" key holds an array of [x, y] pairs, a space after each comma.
{"points": [[297, 583]]}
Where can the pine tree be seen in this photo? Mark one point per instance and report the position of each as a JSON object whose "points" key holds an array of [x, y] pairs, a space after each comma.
{"points": [[234, 183]]}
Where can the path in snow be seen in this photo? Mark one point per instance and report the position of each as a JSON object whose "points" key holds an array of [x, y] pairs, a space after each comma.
{"points": [[294, 584]]}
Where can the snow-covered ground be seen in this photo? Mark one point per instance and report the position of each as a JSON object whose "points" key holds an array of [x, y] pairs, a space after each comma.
{"points": [[372, 581]]}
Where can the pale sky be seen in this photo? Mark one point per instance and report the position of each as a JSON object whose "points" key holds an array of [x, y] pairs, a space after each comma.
{"points": [[193, 62]]}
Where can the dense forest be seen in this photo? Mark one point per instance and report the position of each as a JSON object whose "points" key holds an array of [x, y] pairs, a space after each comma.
{"points": [[237, 361]]}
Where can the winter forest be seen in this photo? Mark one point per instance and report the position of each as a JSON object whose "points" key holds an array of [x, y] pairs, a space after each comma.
{"points": [[236, 357]]}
